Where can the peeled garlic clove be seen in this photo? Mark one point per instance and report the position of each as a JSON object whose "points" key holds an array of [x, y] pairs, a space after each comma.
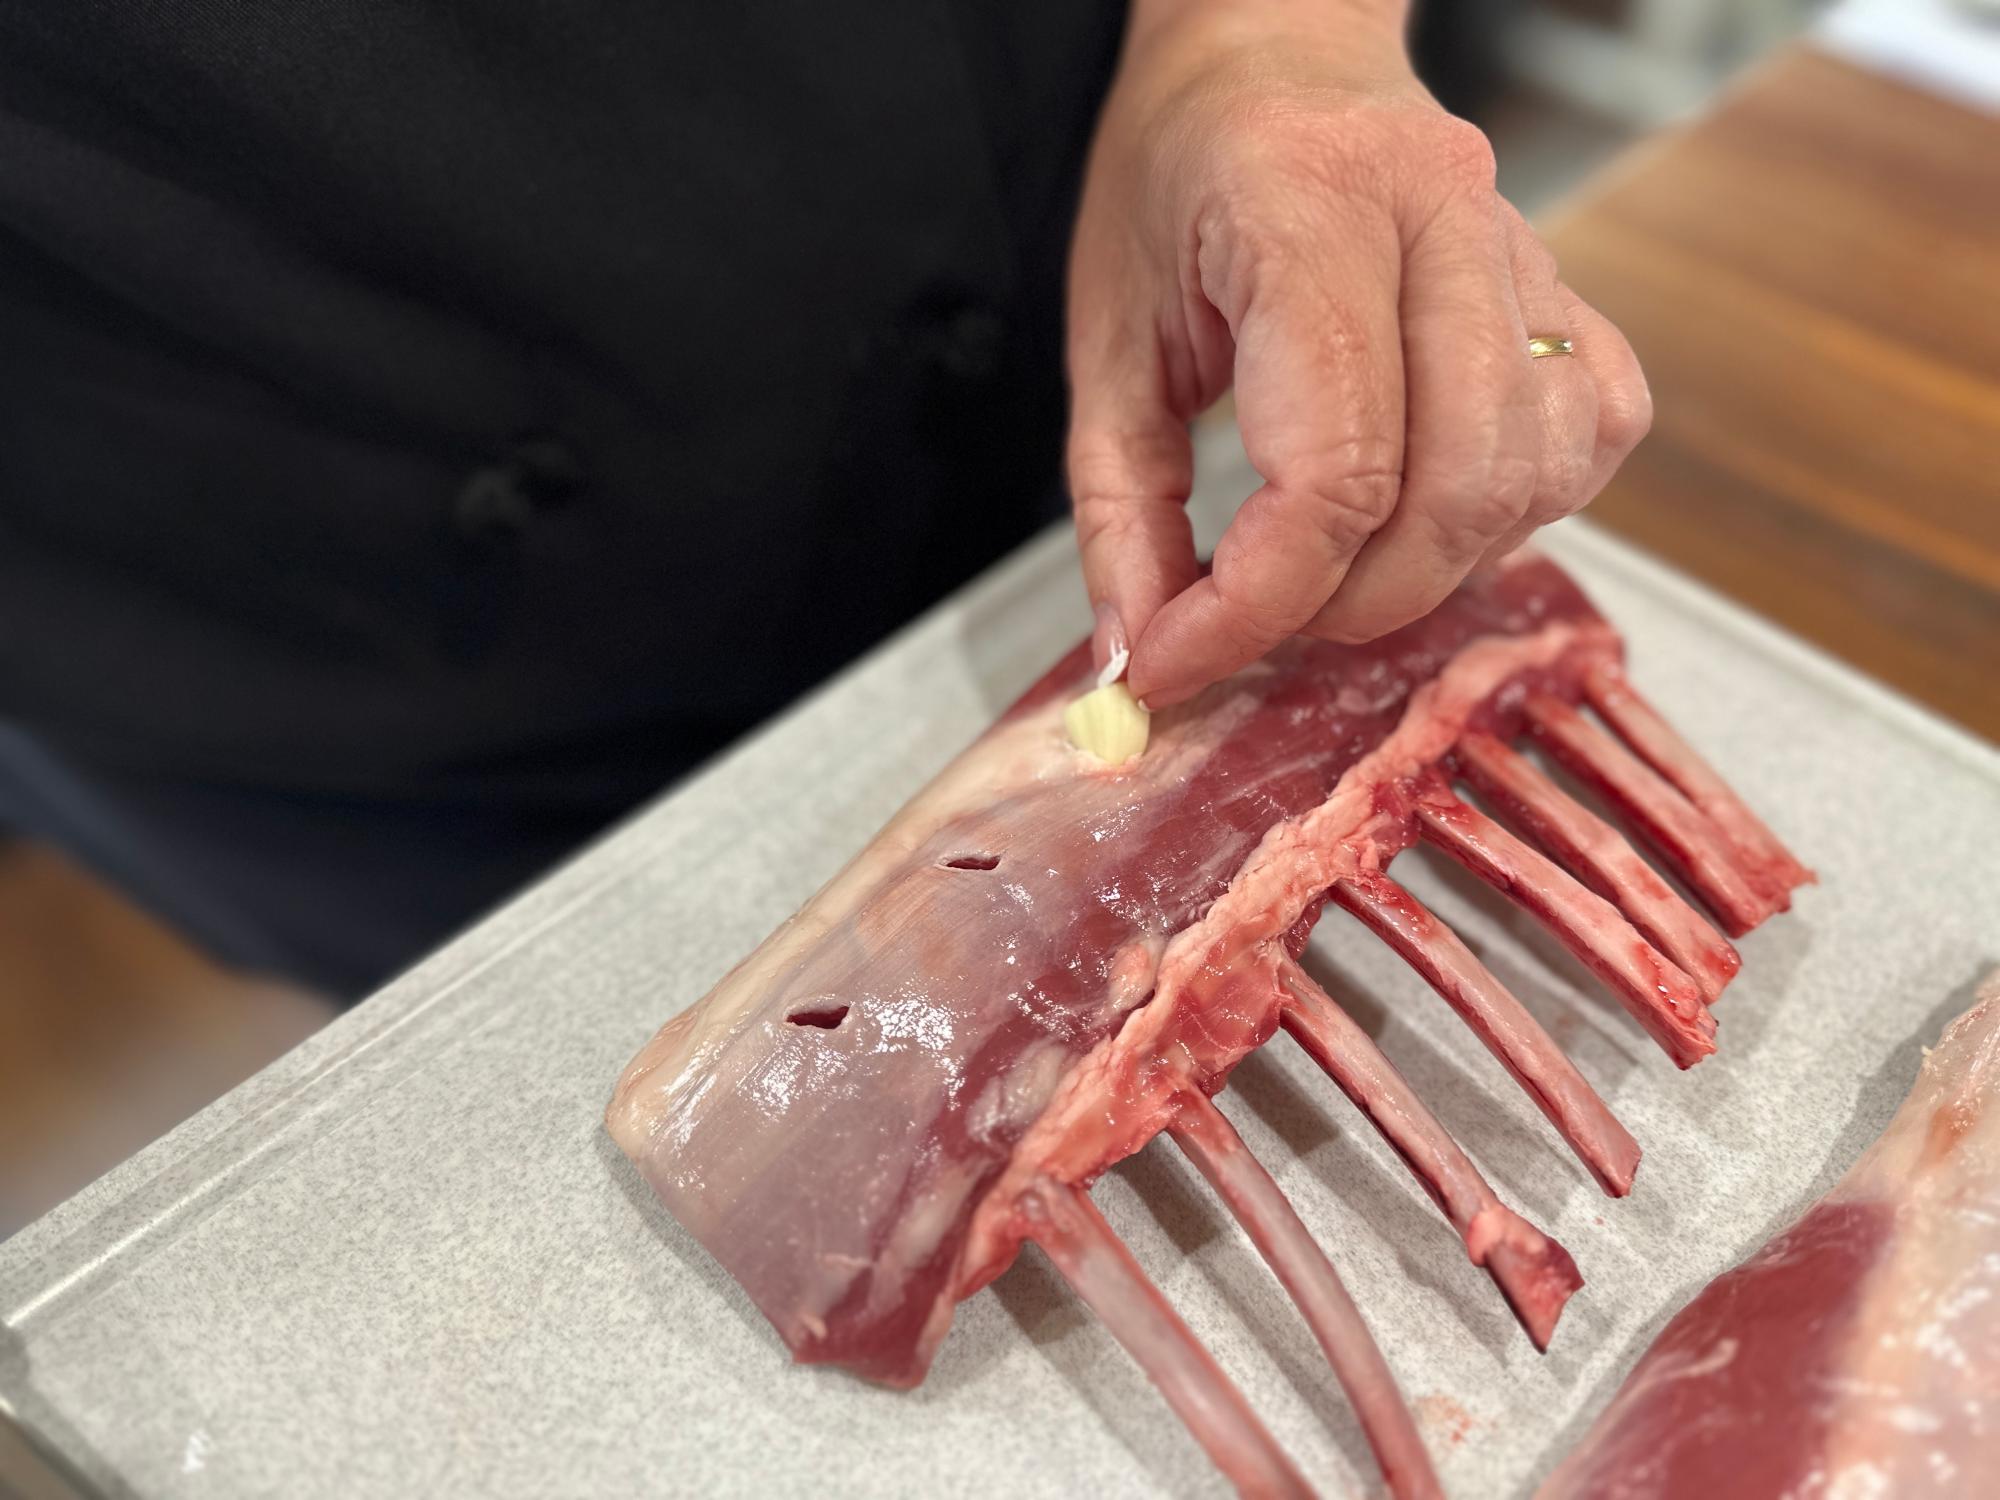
{"points": [[1108, 723]]}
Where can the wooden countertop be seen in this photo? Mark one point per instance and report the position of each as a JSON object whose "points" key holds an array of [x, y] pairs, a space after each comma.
{"points": [[1811, 275]]}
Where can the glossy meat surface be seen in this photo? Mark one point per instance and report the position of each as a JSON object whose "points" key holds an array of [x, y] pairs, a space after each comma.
{"points": [[844, 1122], [1858, 1353]]}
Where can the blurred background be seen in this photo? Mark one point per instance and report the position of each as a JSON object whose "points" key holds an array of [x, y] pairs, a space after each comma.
{"points": [[112, 1028]]}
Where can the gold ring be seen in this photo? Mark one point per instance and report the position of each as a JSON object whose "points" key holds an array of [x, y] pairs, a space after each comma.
{"points": [[1546, 347]]}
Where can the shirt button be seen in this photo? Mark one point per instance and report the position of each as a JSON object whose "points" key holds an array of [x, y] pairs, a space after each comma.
{"points": [[500, 500], [973, 340], [549, 468]]}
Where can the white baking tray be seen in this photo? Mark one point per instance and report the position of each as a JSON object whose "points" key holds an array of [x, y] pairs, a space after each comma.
{"points": [[405, 1260]]}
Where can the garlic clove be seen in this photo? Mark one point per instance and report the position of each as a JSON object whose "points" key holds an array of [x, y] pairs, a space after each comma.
{"points": [[1109, 724]]}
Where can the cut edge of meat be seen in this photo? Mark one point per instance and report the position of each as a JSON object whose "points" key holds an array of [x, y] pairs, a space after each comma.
{"points": [[1837, 1319]]}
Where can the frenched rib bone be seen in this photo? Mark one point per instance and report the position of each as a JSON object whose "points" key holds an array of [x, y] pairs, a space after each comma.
{"points": [[1679, 831], [1596, 855], [1767, 863], [1281, 1237], [1095, 1262], [1533, 1272], [1659, 995], [1498, 1020]]}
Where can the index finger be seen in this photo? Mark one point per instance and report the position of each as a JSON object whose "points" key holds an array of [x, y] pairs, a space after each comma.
{"points": [[1319, 397]]}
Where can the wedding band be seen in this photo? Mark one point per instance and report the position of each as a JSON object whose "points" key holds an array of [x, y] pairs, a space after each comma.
{"points": [[1544, 348]]}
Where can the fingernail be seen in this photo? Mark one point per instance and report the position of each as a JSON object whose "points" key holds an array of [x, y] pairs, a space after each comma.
{"points": [[1156, 702], [1109, 650]]}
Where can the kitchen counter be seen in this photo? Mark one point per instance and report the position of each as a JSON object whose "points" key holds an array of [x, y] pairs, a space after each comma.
{"points": [[1809, 274]]}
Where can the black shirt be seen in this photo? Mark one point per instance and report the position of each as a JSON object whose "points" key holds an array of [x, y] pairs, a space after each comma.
{"points": [[394, 388], [428, 427]]}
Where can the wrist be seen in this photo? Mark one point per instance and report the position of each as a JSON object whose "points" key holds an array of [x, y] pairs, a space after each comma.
{"points": [[1366, 36], [1374, 23]]}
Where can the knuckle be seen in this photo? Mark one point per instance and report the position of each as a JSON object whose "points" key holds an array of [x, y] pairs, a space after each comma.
{"points": [[1349, 496], [1491, 504], [1624, 415], [1537, 261], [1096, 478], [1565, 484], [1262, 243], [1487, 483], [1112, 474], [1462, 151], [1105, 518], [1250, 623], [1277, 230], [1508, 491]]}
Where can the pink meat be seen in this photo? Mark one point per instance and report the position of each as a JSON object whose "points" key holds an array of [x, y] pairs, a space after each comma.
{"points": [[1041, 960], [1858, 1353]]}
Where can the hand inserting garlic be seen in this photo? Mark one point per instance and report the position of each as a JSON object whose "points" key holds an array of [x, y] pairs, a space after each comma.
{"points": [[1108, 723]]}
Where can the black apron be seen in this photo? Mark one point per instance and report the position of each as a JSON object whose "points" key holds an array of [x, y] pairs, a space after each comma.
{"points": [[426, 428]]}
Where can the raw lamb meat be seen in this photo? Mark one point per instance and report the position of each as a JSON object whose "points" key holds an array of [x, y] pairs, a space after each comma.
{"points": [[1043, 961], [1857, 1354]]}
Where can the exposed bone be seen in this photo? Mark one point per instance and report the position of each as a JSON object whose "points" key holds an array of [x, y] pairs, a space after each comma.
{"points": [[1095, 1262], [1281, 1237], [1769, 862], [1659, 995], [1683, 834], [1533, 1272], [1599, 856], [1500, 1021]]}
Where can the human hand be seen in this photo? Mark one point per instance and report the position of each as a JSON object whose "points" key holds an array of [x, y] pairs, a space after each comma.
{"points": [[1273, 199]]}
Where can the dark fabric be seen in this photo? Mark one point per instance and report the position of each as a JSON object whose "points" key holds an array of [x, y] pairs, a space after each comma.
{"points": [[425, 420], [338, 891]]}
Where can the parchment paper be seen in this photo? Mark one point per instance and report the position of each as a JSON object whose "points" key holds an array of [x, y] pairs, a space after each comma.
{"points": [[406, 1261]]}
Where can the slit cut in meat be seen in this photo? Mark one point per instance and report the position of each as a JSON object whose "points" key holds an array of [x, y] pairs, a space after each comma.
{"points": [[1595, 853], [1500, 1021], [1533, 1272], [1000, 1042], [972, 862]]}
